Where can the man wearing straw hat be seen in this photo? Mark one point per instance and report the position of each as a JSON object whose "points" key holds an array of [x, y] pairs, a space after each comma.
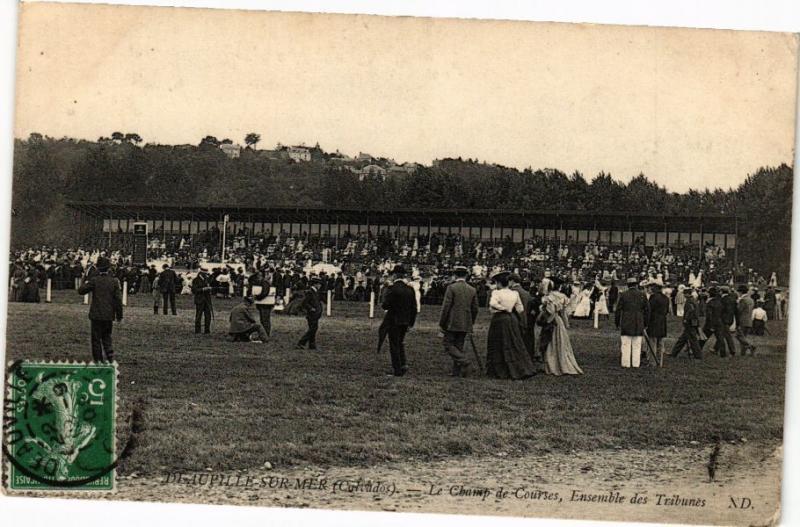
{"points": [[631, 317]]}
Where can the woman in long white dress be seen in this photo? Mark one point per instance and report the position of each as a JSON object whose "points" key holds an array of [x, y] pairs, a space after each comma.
{"points": [[584, 307], [559, 358], [601, 304]]}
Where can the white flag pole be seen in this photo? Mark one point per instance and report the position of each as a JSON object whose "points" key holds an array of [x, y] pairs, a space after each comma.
{"points": [[224, 233]]}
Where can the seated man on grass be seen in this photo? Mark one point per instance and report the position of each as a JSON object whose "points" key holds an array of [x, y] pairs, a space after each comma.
{"points": [[244, 323]]}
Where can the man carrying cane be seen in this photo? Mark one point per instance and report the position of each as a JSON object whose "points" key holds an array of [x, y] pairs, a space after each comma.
{"points": [[201, 289], [459, 310]]}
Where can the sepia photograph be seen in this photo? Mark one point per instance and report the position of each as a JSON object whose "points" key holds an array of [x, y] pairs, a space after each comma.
{"points": [[399, 264]]}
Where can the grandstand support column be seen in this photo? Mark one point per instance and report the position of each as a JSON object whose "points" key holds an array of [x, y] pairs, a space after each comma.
{"points": [[700, 244], [110, 228], [736, 244], [630, 230]]}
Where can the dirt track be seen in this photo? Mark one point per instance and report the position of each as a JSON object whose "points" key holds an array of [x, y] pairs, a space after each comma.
{"points": [[744, 470]]}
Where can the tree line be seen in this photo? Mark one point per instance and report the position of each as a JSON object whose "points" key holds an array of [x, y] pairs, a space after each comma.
{"points": [[48, 172]]}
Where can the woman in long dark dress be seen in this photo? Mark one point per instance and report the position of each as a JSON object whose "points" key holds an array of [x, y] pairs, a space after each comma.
{"points": [[506, 355]]}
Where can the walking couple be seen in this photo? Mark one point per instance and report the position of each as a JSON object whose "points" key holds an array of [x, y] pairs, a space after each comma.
{"points": [[508, 356]]}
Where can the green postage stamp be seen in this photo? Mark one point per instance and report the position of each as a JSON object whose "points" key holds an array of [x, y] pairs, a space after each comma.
{"points": [[60, 425]]}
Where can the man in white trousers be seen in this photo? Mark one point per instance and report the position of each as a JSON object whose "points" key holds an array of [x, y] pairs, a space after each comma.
{"points": [[633, 311]]}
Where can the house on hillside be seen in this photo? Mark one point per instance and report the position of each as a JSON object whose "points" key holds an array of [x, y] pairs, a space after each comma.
{"points": [[231, 150], [299, 154], [374, 171], [404, 169]]}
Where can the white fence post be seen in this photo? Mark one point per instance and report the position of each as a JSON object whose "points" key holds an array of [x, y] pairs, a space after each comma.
{"points": [[328, 307], [596, 318], [49, 297], [86, 299], [372, 304], [125, 293]]}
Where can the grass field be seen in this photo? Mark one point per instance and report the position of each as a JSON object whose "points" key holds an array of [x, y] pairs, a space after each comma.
{"points": [[206, 402]]}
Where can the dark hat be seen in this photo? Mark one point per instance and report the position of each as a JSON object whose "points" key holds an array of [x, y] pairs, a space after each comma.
{"points": [[248, 299], [314, 280], [515, 277], [399, 270], [632, 280], [103, 263], [742, 288], [460, 270], [500, 275]]}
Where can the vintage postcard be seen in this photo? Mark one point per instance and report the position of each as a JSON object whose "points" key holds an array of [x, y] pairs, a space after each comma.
{"points": [[399, 264]]}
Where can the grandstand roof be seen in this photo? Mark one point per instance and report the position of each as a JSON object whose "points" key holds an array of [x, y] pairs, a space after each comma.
{"points": [[568, 219]]}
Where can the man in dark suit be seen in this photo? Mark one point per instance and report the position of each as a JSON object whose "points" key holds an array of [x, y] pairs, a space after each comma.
{"points": [[527, 329], [105, 308], [728, 317], [459, 310], [691, 323], [631, 317], [613, 296], [167, 281], [312, 305], [201, 289], [714, 324], [400, 303], [657, 322]]}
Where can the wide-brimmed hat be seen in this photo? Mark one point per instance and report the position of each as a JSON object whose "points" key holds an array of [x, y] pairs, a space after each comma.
{"points": [[500, 275]]}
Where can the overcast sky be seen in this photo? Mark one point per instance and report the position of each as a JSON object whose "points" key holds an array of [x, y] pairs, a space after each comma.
{"points": [[688, 108]]}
